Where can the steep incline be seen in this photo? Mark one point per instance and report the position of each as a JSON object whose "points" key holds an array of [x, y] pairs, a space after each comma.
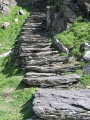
{"points": [[44, 67]]}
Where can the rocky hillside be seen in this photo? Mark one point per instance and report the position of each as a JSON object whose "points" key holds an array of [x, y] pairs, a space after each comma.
{"points": [[61, 14]]}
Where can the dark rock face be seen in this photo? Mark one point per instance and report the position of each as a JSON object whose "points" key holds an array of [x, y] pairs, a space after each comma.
{"points": [[58, 46], [51, 104], [60, 13], [63, 81]]}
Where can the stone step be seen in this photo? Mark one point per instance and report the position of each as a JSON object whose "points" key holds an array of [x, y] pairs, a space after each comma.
{"points": [[33, 28], [32, 41], [34, 74], [38, 10], [53, 69], [35, 45], [38, 56], [33, 24], [47, 61], [38, 13], [36, 18], [56, 104], [27, 50], [52, 81], [30, 20], [33, 36]]}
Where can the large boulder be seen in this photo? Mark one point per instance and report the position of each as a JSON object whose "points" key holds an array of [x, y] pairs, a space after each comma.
{"points": [[5, 6], [59, 46], [52, 104]]}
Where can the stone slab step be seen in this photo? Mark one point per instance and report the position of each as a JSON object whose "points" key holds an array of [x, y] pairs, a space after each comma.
{"points": [[53, 69], [52, 81], [47, 61], [33, 24], [33, 36], [53, 104], [41, 55], [32, 41], [33, 28], [35, 45], [34, 74], [27, 50]]}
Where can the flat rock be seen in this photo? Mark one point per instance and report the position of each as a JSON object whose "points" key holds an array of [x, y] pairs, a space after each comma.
{"points": [[52, 80], [52, 104]]}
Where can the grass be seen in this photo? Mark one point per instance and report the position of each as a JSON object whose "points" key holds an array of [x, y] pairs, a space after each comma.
{"points": [[15, 96], [78, 33], [8, 36]]}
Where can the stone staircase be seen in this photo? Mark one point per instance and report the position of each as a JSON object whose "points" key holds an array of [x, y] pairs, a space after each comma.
{"points": [[45, 68]]}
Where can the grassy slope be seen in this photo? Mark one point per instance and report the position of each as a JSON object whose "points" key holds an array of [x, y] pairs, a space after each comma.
{"points": [[78, 33], [15, 97], [8, 36]]}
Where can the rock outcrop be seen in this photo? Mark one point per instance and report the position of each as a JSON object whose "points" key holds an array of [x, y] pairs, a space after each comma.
{"points": [[51, 104], [5, 6], [60, 13]]}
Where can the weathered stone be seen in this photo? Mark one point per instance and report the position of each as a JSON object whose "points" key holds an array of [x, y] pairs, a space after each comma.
{"points": [[53, 69], [5, 10], [59, 46], [22, 12], [51, 104], [86, 69], [84, 46], [5, 25], [86, 56], [53, 81]]}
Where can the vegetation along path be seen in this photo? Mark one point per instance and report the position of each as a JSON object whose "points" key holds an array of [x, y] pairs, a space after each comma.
{"points": [[46, 69]]}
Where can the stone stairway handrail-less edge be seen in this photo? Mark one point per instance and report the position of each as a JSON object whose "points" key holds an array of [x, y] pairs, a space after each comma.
{"points": [[46, 69]]}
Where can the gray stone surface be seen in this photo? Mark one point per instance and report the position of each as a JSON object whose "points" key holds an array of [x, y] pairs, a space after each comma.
{"points": [[86, 56], [5, 25], [59, 46], [86, 69], [51, 104], [47, 80]]}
